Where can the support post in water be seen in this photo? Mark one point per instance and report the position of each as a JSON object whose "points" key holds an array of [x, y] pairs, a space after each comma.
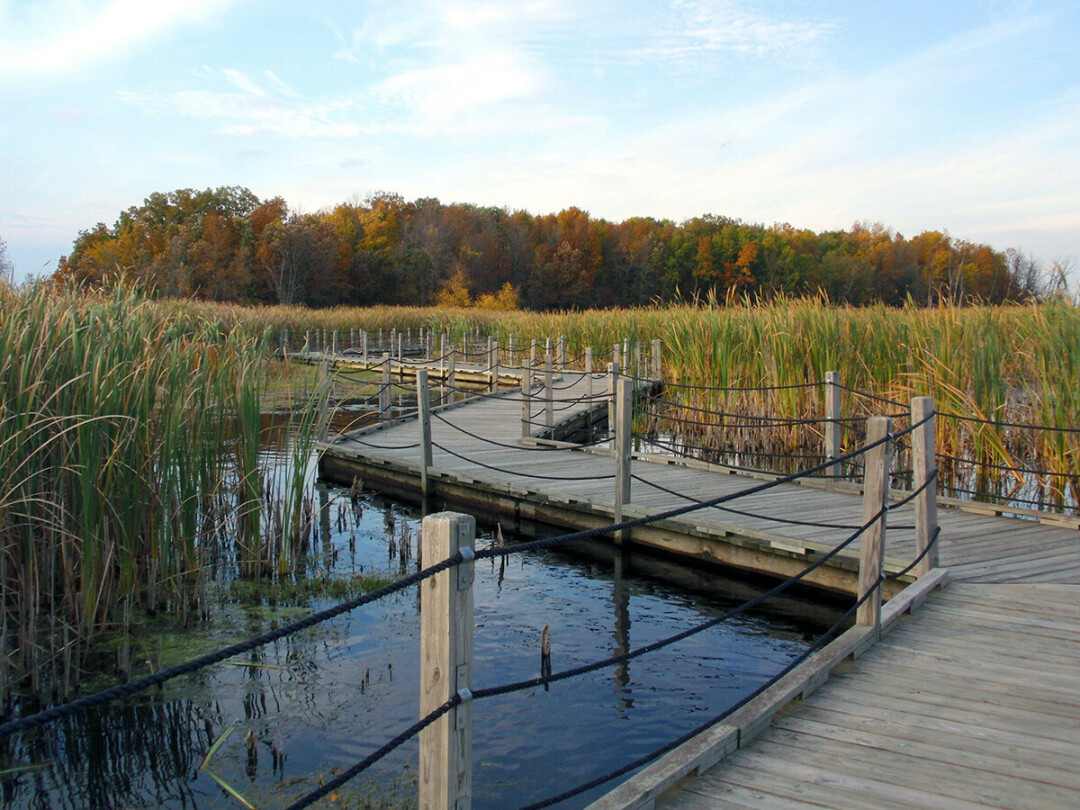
{"points": [[833, 426], [875, 489], [446, 663], [623, 427], [924, 465], [526, 401], [657, 350], [549, 393], [423, 408], [384, 389], [562, 352], [588, 375]]}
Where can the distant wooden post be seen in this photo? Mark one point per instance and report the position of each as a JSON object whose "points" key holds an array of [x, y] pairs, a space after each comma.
{"points": [[562, 352], [637, 360], [378, 342], [451, 372], [334, 345], [513, 353], [833, 426], [613, 414], [626, 356], [494, 362], [363, 345], [588, 375], [400, 356], [442, 357], [423, 408], [657, 351], [352, 337], [446, 664], [623, 427], [526, 401], [532, 353], [384, 389], [549, 393], [875, 490], [285, 344], [322, 382], [924, 465], [616, 356], [549, 347], [307, 342]]}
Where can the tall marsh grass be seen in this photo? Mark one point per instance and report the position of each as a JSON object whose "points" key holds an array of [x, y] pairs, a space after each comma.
{"points": [[1013, 364], [129, 454]]}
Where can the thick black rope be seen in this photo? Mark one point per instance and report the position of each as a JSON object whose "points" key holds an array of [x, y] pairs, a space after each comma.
{"points": [[751, 419], [671, 746], [789, 521], [601, 531], [918, 559], [384, 446], [865, 395], [469, 433], [1005, 467], [994, 423], [371, 759], [132, 687], [622, 658], [525, 474], [744, 388]]}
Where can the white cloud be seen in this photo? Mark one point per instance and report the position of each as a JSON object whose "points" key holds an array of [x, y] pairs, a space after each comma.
{"points": [[253, 109], [56, 37]]}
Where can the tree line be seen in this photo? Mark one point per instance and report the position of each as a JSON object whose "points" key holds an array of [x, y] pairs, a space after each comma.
{"points": [[226, 244]]}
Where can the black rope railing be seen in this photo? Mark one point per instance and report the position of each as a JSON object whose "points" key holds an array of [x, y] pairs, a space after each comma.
{"points": [[524, 474], [745, 388]]}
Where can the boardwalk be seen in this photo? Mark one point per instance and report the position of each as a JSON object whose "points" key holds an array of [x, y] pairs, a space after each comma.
{"points": [[972, 701]]}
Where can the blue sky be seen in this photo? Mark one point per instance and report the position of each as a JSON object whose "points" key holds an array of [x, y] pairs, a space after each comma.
{"points": [[961, 116]]}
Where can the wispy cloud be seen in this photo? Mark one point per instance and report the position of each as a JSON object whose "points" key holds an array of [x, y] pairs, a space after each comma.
{"points": [[251, 108], [57, 37]]}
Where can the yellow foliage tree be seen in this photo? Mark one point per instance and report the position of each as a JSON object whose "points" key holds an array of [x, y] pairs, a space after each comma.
{"points": [[456, 292], [505, 299]]}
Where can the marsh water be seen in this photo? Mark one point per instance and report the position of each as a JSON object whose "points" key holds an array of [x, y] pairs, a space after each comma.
{"points": [[312, 704]]}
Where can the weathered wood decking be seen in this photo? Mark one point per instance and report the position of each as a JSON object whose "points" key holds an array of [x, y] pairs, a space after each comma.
{"points": [[970, 702]]}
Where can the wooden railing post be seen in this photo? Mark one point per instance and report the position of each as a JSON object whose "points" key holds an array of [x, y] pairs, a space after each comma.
{"points": [[526, 401], [451, 372], [532, 353], [549, 393], [322, 380], [423, 409], [334, 344], [562, 352], [613, 381], [493, 363], [384, 389], [446, 664], [833, 427], [623, 427], [352, 337], [924, 466], [399, 354], [616, 357], [657, 351], [588, 375], [875, 491], [307, 342], [637, 360], [513, 351], [364, 345]]}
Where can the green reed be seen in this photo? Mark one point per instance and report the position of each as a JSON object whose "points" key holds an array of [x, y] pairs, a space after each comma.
{"points": [[129, 457]]}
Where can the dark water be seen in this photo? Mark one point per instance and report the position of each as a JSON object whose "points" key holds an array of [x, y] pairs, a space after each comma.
{"points": [[329, 696]]}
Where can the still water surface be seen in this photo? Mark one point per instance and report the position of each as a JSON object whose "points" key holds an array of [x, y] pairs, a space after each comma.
{"points": [[315, 703]]}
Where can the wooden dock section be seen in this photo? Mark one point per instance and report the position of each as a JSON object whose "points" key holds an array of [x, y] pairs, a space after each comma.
{"points": [[968, 699]]}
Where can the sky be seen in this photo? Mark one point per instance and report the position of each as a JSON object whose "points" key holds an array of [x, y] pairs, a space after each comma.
{"points": [[960, 116]]}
